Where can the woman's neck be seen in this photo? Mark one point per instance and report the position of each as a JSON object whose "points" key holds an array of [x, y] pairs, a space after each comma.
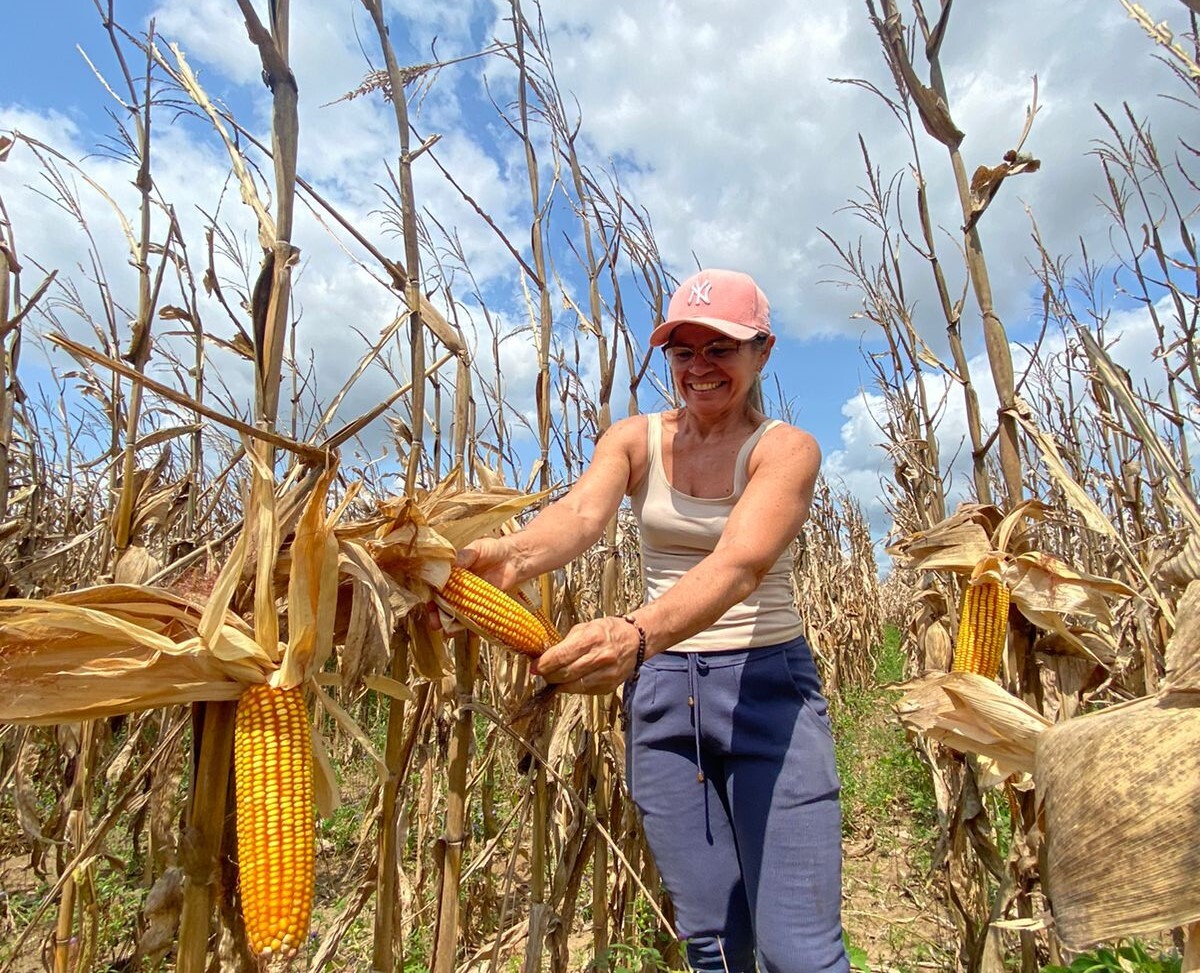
{"points": [[714, 426]]}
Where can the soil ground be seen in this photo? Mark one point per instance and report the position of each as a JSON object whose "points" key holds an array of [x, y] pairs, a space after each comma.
{"points": [[892, 912]]}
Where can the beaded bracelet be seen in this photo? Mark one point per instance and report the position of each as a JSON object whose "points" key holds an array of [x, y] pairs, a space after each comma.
{"points": [[641, 652]]}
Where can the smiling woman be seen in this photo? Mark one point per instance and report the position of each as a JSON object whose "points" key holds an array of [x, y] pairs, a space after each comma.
{"points": [[729, 756]]}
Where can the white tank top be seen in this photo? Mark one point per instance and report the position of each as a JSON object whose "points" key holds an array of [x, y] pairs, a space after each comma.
{"points": [[678, 531]]}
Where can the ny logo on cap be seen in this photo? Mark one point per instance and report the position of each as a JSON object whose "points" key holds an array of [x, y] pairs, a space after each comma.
{"points": [[701, 292]]}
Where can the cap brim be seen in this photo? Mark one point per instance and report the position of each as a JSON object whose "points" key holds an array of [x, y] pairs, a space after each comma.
{"points": [[739, 332]]}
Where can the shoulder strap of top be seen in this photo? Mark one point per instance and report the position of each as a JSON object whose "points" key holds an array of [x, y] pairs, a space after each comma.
{"points": [[654, 460], [741, 469], [652, 476]]}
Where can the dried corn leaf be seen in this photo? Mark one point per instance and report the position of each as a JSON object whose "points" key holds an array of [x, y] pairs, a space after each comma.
{"points": [[468, 516], [1090, 644], [29, 624], [355, 561], [326, 793], [1014, 520], [1178, 486], [146, 599], [490, 478], [191, 84], [159, 507], [350, 725], [99, 686], [25, 800], [363, 650], [572, 710], [972, 714], [119, 765], [1076, 496], [372, 619], [217, 607], [390, 687]]}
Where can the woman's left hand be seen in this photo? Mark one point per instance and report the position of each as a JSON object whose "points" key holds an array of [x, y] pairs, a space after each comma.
{"points": [[593, 657]]}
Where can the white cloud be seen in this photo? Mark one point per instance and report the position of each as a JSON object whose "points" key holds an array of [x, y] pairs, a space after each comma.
{"points": [[206, 29], [725, 128], [861, 464]]}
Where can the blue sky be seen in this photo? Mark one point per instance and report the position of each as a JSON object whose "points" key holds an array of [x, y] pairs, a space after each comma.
{"points": [[720, 117]]}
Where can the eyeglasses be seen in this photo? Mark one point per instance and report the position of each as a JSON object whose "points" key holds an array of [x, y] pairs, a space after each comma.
{"points": [[715, 352]]}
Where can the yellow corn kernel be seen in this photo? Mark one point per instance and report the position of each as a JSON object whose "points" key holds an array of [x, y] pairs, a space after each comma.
{"points": [[487, 610], [273, 783], [552, 633], [982, 629]]}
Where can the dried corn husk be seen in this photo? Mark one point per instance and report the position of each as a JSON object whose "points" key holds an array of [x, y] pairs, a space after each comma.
{"points": [[1184, 567], [1055, 597], [971, 714], [116, 649], [1121, 793], [1121, 855], [1183, 651], [119, 648], [956, 543], [312, 592]]}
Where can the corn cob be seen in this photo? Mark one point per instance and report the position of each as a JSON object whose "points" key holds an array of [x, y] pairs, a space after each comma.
{"points": [[273, 781], [982, 629], [485, 609], [548, 626]]}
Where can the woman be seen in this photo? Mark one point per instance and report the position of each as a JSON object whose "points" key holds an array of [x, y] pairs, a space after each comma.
{"points": [[729, 754]]}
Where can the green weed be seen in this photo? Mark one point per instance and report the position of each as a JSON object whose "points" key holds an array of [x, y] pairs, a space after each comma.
{"points": [[858, 957], [623, 958], [1131, 957], [883, 776]]}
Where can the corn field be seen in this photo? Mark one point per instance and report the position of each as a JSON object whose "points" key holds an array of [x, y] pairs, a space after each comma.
{"points": [[187, 517], [170, 550]]}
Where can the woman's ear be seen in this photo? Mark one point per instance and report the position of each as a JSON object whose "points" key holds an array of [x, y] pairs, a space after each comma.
{"points": [[766, 351]]}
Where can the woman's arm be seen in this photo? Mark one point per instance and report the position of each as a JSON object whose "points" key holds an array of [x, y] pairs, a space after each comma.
{"points": [[569, 526], [597, 656]]}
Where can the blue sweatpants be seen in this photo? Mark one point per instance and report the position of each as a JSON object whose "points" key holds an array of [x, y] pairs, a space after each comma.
{"points": [[729, 759]]}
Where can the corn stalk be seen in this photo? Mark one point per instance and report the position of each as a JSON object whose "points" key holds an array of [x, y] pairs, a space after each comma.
{"points": [[269, 314], [975, 193], [542, 323]]}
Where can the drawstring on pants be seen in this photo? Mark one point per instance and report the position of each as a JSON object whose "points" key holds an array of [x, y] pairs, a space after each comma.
{"points": [[696, 667]]}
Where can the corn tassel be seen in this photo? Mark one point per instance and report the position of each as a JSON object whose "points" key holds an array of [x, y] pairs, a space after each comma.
{"points": [[982, 629], [497, 616], [273, 777]]}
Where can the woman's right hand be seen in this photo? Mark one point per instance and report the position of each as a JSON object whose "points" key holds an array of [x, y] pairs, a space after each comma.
{"points": [[486, 557], [491, 558]]}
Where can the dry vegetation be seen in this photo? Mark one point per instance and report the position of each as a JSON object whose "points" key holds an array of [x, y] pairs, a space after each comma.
{"points": [[1082, 491], [165, 543]]}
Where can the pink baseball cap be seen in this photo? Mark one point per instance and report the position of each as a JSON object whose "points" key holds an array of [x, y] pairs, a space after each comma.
{"points": [[724, 300]]}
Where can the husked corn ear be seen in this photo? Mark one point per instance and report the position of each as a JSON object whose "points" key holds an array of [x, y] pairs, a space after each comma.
{"points": [[483, 607], [548, 626], [273, 779], [982, 629]]}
